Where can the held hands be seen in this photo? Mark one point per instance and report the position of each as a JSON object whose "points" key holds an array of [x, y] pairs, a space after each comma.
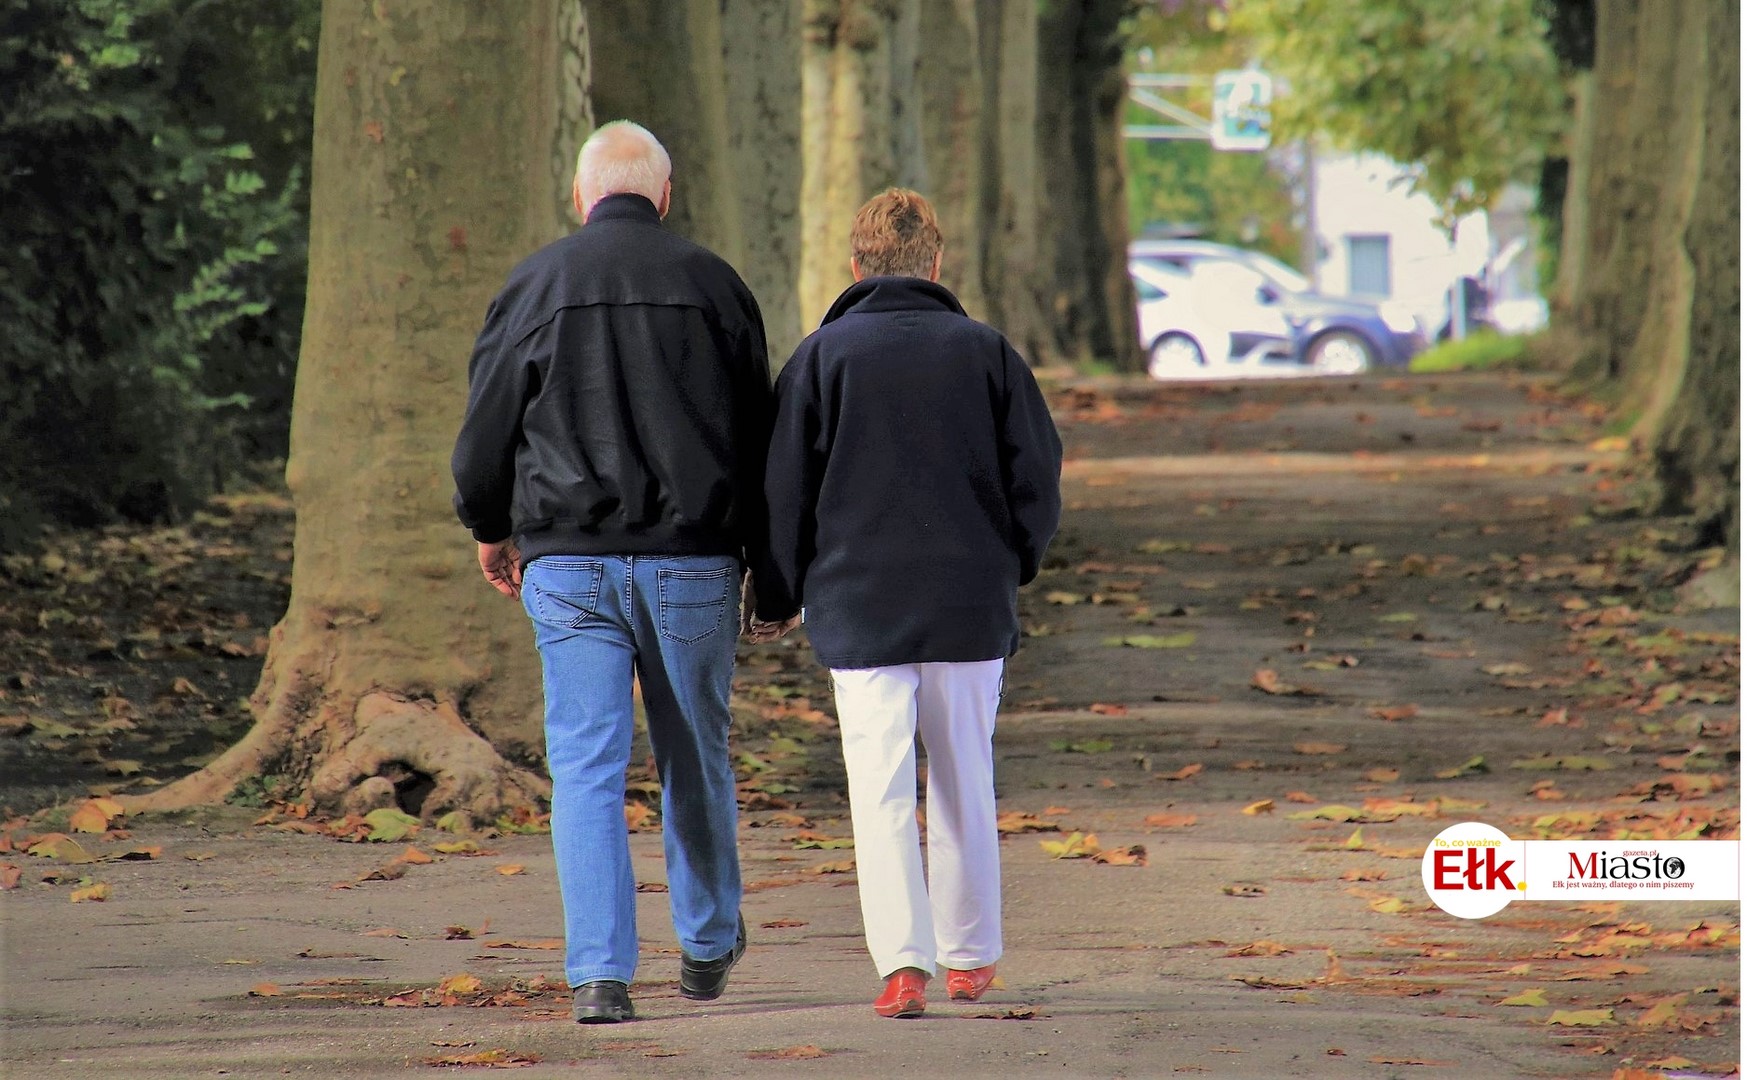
{"points": [[754, 629], [502, 565]]}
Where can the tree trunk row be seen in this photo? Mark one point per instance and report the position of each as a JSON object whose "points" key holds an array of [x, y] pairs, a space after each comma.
{"points": [[446, 134], [1650, 270]]}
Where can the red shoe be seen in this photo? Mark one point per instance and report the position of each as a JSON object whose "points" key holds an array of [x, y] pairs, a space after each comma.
{"points": [[968, 985], [902, 997]]}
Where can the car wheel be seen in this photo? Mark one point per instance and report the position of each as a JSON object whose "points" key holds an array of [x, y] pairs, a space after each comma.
{"points": [[1173, 356], [1340, 352]]}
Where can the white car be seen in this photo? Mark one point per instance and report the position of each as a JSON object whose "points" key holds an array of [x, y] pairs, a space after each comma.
{"points": [[1219, 321]]}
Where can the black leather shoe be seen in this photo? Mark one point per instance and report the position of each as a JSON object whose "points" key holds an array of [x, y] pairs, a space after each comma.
{"points": [[604, 1002], [704, 980]]}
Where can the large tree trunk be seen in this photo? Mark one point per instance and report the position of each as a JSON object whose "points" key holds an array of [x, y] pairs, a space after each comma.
{"points": [[397, 675], [860, 128], [1081, 89], [761, 40], [661, 65], [1649, 286]]}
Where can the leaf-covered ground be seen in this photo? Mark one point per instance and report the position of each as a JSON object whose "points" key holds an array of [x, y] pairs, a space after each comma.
{"points": [[1288, 634]]}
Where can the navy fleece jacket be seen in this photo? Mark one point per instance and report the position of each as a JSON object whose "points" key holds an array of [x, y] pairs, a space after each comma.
{"points": [[913, 482]]}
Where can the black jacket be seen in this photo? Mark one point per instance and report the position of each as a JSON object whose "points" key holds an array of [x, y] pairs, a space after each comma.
{"points": [[913, 482], [619, 399]]}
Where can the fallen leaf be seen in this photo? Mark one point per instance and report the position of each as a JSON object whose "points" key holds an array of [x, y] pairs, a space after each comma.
{"points": [[1263, 982], [789, 1053], [264, 990], [388, 825], [1583, 1018], [497, 1058], [842, 866], [1396, 712], [90, 818], [457, 933], [511, 869], [1475, 764], [1571, 762], [9, 875], [391, 871], [385, 931], [1106, 709], [61, 847], [1154, 641], [1260, 948], [1314, 748], [1382, 776], [1018, 1012], [97, 891], [1389, 905], [783, 924], [1381, 1060], [1535, 998], [415, 857], [1133, 855], [1261, 806], [1170, 821], [1365, 874], [1085, 746], [456, 847], [638, 816], [1268, 682], [1184, 773], [460, 984], [1076, 846], [1016, 821], [1245, 889]]}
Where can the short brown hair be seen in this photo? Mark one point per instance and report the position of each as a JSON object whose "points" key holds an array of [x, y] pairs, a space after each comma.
{"points": [[895, 232]]}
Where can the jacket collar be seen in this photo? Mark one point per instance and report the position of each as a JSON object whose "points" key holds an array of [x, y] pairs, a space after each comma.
{"points": [[879, 294], [626, 206]]}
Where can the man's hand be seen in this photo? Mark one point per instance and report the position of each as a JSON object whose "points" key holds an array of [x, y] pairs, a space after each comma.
{"points": [[502, 565], [760, 632]]}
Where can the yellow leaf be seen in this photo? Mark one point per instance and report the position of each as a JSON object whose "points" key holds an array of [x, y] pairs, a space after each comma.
{"points": [[510, 870], [88, 818], [1263, 806], [1356, 842], [1170, 821], [59, 846], [460, 984], [98, 891], [456, 847], [1535, 998], [1077, 846], [1389, 905], [1583, 1018]]}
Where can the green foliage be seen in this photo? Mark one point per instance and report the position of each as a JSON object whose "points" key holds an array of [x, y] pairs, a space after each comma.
{"points": [[151, 273], [1473, 353], [1467, 93], [1229, 197]]}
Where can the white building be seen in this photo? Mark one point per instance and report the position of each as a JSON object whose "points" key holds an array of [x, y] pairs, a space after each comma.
{"points": [[1379, 240]]}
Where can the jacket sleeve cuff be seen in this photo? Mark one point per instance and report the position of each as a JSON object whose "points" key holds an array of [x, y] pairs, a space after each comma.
{"points": [[493, 532]]}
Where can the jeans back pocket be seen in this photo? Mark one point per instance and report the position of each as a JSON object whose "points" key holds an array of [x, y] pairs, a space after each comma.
{"points": [[693, 602], [564, 592]]}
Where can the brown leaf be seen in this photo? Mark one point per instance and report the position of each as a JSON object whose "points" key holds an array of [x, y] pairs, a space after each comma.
{"points": [[9, 875], [457, 933], [1263, 982], [638, 816], [460, 984], [385, 931], [496, 1058], [1170, 821], [789, 1053], [390, 871], [373, 131], [1246, 889], [1106, 709], [1133, 855], [1260, 948], [511, 869], [1396, 712], [97, 891], [1382, 776], [540, 943], [1300, 797], [1319, 748], [414, 857], [1184, 773], [264, 990], [89, 818], [1017, 821], [783, 924]]}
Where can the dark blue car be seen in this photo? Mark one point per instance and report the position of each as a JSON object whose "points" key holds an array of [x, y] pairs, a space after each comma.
{"points": [[1331, 335]]}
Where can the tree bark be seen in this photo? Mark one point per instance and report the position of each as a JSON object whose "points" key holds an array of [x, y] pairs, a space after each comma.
{"points": [[397, 675], [761, 43], [1650, 269], [1081, 89], [860, 128]]}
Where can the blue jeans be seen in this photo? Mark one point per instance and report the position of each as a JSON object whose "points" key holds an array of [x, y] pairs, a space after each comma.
{"points": [[673, 621]]}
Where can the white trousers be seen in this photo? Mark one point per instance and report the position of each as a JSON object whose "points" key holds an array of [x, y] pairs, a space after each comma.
{"points": [[953, 919]]}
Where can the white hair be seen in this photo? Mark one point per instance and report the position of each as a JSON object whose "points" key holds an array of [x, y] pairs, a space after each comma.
{"points": [[622, 158]]}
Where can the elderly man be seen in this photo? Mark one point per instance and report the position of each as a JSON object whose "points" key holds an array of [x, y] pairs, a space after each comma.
{"points": [[611, 466], [913, 484]]}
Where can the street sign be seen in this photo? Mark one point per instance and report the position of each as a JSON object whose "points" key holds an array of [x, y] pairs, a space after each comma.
{"points": [[1242, 110]]}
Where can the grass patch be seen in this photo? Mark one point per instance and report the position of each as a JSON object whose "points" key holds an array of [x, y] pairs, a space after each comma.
{"points": [[1478, 352]]}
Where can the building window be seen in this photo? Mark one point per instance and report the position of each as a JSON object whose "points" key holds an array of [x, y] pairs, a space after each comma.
{"points": [[1368, 265]]}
